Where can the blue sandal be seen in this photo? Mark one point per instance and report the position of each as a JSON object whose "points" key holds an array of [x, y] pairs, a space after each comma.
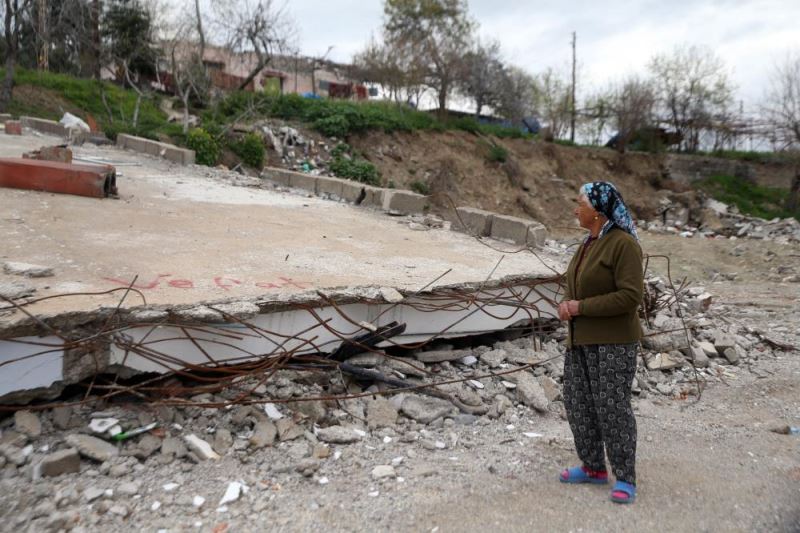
{"points": [[581, 474], [623, 492]]}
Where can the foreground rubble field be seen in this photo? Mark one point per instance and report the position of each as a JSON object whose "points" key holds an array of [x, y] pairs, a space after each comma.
{"points": [[414, 462]]}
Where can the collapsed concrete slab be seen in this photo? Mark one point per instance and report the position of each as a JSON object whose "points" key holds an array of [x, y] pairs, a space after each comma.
{"points": [[186, 250]]}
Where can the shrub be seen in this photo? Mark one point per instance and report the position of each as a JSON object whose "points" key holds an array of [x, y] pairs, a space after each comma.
{"points": [[333, 126], [250, 149], [205, 146], [359, 170], [420, 187], [497, 154]]}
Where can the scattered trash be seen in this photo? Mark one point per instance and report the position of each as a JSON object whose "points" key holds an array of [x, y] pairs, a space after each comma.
{"points": [[132, 433]]}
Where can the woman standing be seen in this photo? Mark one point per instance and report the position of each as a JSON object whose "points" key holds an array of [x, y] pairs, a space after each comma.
{"points": [[604, 289]]}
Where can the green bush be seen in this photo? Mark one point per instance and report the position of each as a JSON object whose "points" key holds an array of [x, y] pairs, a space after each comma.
{"points": [[359, 170], [206, 148], [420, 187], [250, 149], [497, 154], [333, 126]]}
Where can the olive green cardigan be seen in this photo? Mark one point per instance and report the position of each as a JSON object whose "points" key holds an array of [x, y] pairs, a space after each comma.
{"points": [[609, 287]]}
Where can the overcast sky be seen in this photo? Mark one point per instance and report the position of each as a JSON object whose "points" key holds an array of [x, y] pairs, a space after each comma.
{"points": [[615, 37]]}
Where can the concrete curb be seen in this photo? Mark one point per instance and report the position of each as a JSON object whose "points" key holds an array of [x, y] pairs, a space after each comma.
{"points": [[51, 127], [348, 190], [478, 222], [169, 152]]}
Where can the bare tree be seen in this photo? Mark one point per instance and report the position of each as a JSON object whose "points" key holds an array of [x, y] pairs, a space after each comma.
{"points": [[436, 31], [483, 76], [596, 115], [633, 104], [517, 94], [782, 111], [15, 11], [782, 102], [693, 88], [260, 28], [185, 66], [553, 99]]}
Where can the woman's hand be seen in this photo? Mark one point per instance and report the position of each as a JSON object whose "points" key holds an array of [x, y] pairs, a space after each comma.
{"points": [[569, 309]]}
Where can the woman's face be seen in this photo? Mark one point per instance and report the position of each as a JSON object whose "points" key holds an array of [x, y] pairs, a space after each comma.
{"points": [[584, 212]]}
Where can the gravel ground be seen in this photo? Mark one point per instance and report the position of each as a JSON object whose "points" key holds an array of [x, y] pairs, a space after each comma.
{"points": [[709, 465]]}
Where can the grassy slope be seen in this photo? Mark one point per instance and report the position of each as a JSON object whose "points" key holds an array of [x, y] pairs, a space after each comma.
{"points": [[48, 95]]}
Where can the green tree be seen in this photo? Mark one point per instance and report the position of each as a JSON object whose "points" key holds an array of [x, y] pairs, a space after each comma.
{"points": [[438, 32]]}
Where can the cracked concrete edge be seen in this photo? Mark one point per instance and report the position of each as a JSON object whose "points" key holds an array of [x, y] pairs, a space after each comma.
{"points": [[76, 324]]}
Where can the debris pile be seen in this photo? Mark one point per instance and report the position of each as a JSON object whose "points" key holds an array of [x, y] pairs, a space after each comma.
{"points": [[716, 219], [688, 341]]}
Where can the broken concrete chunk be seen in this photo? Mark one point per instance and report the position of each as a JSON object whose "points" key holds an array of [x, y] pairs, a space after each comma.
{"points": [[201, 448], [529, 391], [494, 358], [232, 492], [552, 390], [697, 355], [14, 290], [664, 361], [61, 462], [383, 471], [708, 348], [264, 434], [723, 341], [731, 355], [27, 270], [288, 430], [381, 413], [338, 435], [439, 356], [424, 410], [92, 447], [27, 423]]}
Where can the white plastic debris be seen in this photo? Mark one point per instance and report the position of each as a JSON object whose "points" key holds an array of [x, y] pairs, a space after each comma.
{"points": [[198, 501], [156, 506], [532, 435], [272, 411], [70, 122], [169, 487], [324, 481], [374, 494], [101, 425], [233, 492]]}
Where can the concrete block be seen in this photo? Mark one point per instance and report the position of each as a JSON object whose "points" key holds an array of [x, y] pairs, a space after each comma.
{"points": [[374, 196], [518, 230], [306, 182], [279, 176], [170, 152], [50, 127], [61, 462], [13, 127], [352, 190], [404, 202], [330, 186], [475, 221]]}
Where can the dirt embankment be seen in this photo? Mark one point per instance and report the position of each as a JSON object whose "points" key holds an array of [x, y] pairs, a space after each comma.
{"points": [[537, 180]]}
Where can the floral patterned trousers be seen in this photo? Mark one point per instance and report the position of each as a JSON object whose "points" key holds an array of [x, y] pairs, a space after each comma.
{"points": [[597, 397]]}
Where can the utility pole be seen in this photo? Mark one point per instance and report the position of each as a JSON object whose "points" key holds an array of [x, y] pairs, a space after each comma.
{"points": [[574, 110], [43, 58]]}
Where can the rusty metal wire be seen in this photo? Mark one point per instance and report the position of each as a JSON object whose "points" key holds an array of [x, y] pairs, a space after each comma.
{"points": [[303, 350]]}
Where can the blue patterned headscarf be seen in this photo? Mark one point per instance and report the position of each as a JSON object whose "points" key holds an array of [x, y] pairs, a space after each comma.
{"points": [[607, 200]]}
